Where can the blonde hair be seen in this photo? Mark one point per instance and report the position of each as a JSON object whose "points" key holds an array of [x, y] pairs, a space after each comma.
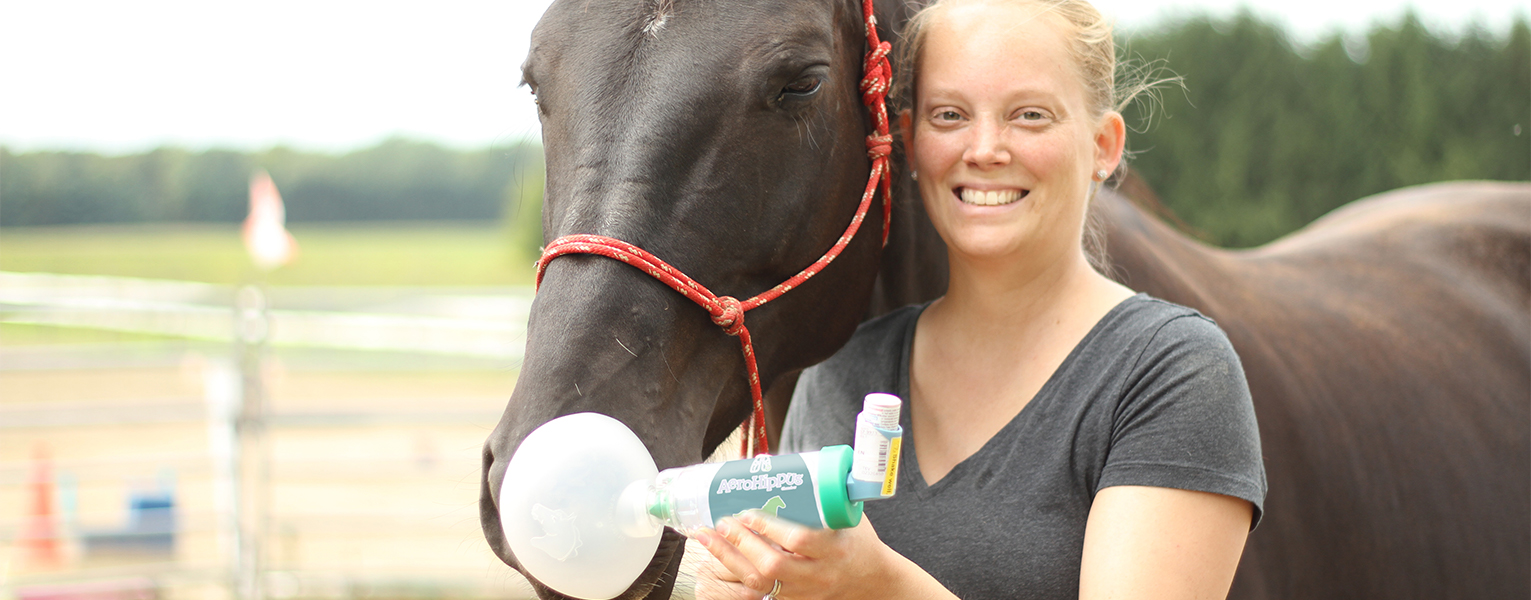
{"points": [[1093, 48]]}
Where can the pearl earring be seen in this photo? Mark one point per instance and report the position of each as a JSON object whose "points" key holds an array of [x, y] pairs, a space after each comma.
{"points": [[1101, 175], [915, 175]]}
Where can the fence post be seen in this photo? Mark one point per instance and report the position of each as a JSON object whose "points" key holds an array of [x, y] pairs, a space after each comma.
{"points": [[252, 331]]}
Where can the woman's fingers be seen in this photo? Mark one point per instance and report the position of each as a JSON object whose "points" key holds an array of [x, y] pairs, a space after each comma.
{"points": [[702, 577], [792, 537], [760, 550], [725, 545], [713, 589]]}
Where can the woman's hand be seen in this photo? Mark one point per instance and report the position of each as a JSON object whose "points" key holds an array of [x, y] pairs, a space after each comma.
{"points": [[758, 551]]}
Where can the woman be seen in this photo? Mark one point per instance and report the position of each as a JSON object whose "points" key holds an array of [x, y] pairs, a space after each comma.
{"points": [[1065, 438]]}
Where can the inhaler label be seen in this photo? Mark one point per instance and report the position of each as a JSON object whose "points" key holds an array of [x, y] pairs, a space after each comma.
{"points": [[780, 485]]}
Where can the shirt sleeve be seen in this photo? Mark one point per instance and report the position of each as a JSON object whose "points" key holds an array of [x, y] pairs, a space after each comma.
{"points": [[1185, 419]]}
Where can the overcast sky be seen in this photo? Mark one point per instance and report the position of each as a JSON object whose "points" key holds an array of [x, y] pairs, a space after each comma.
{"points": [[113, 76]]}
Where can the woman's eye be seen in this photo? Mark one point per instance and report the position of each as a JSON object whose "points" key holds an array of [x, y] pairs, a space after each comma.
{"points": [[1032, 115], [948, 115]]}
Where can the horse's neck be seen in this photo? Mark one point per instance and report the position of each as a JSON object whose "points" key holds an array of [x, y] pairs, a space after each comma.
{"points": [[913, 266], [1149, 256], [891, 16]]}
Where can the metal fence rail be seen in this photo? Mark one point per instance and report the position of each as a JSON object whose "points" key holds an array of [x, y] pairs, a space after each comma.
{"points": [[365, 466], [482, 322]]}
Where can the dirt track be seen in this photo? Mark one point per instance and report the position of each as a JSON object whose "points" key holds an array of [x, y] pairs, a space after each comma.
{"points": [[374, 477]]}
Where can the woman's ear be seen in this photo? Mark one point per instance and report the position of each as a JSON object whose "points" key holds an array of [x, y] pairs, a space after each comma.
{"points": [[1110, 139]]}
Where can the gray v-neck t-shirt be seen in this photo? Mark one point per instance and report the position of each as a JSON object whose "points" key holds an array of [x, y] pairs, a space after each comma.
{"points": [[1154, 396]]}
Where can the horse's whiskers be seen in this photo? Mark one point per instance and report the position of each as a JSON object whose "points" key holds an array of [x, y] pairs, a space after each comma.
{"points": [[624, 346]]}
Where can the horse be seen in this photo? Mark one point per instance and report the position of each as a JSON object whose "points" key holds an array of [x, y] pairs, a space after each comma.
{"points": [[727, 139], [1388, 351]]}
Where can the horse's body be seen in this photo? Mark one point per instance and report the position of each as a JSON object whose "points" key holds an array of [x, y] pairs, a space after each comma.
{"points": [[1388, 351], [1388, 346]]}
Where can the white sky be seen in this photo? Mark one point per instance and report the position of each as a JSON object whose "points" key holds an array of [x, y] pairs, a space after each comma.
{"points": [[113, 76]]}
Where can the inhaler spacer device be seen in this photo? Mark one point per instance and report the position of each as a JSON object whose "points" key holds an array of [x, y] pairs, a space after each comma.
{"points": [[583, 506]]}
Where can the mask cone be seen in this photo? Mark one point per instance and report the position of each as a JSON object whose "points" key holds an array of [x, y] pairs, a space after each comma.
{"points": [[563, 509]]}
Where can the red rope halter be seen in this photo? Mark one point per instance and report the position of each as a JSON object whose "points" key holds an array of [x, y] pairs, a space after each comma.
{"points": [[726, 311]]}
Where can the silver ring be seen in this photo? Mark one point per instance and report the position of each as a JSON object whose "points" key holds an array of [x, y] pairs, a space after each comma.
{"points": [[775, 589]]}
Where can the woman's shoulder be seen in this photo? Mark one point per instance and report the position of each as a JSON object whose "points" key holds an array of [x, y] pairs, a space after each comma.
{"points": [[1145, 337], [1143, 320], [1143, 307], [1180, 409]]}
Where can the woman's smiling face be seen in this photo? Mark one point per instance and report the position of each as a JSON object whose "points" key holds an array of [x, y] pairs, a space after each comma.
{"points": [[1002, 135]]}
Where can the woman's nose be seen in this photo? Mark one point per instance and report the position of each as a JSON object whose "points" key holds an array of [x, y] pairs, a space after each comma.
{"points": [[989, 147]]}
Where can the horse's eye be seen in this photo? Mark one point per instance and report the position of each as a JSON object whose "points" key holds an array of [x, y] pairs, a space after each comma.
{"points": [[805, 86]]}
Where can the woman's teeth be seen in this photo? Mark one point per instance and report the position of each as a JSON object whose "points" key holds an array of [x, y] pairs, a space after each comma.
{"points": [[991, 197]]}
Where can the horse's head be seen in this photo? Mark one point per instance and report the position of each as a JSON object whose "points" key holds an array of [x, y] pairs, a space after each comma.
{"points": [[726, 138]]}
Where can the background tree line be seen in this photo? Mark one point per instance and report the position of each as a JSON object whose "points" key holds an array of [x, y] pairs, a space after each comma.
{"points": [[1268, 135], [1265, 136], [395, 180]]}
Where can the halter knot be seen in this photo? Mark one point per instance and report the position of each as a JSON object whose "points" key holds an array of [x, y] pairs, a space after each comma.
{"points": [[729, 315], [879, 74], [879, 146]]}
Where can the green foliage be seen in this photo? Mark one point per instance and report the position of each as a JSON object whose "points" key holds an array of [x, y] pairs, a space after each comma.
{"points": [[396, 180], [1267, 135], [523, 208], [17, 334]]}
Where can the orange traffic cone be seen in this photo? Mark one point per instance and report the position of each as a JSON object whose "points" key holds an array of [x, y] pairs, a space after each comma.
{"points": [[40, 545]]}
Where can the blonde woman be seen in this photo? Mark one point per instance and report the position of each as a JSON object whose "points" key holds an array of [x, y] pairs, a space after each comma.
{"points": [[1065, 437]]}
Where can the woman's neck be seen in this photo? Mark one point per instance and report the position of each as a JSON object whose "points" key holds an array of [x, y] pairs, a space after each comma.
{"points": [[986, 348], [1013, 295]]}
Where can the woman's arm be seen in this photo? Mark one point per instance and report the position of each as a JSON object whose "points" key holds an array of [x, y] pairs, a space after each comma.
{"points": [[810, 563], [1140, 543], [1149, 543]]}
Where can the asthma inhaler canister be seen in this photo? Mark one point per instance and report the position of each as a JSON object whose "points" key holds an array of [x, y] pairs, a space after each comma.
{"points": [[879, 438]]}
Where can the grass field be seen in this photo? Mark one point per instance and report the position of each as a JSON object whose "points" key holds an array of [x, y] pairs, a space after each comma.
{"points": [[399, 254], [19, 334]]}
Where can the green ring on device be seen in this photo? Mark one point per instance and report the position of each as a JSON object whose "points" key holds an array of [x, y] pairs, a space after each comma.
{"points": [[834, 472]]}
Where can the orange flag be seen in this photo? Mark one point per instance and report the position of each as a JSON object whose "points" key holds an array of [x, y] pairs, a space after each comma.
{"points": [[39, 541], [265, 230]]}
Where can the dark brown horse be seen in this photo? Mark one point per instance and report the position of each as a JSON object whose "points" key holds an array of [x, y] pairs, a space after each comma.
{"points": [[1388, 346], [727, 138], [1388, 350]]}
